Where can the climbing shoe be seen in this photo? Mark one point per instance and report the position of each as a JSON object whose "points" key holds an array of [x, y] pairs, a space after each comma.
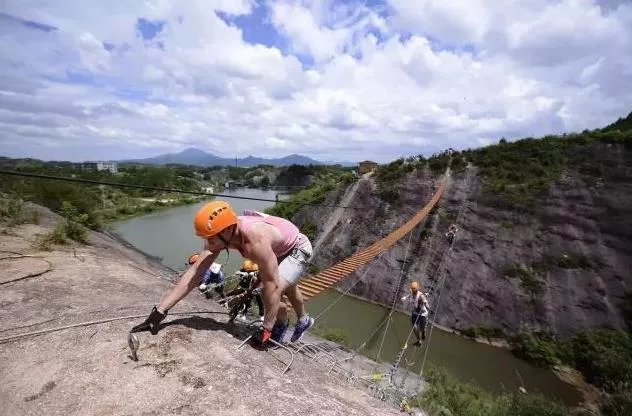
{"points": [[278, 331], [301, 326], [417, 344]]}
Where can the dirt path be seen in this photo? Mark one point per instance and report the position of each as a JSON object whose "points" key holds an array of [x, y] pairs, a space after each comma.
{"points": [[190, 368], [334, 218]]}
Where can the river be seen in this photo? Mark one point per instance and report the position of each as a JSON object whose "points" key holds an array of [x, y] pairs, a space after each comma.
{"points": [[169, 235]]}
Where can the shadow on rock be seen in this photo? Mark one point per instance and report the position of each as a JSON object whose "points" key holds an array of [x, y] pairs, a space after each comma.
{"points": [[210, 324]]}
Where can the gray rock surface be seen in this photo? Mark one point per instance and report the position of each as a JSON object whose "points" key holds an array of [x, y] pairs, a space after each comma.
{"points": [[191, 367], [563, 264]]}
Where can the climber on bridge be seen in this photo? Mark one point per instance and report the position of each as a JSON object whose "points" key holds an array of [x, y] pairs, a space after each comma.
{"points": [[419, 311], [213, 278], [274, 243], [451, 233]]}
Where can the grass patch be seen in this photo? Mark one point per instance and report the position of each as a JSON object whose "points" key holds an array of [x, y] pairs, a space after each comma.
{"points": [[13, 212], [309, 229], [603, 356], [337, 335], [481, 331], [447, 396], [529, 279]]}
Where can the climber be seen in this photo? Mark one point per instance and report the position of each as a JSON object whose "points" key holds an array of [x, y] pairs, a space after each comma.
{"points": [[451, 233], [419, 311], [274, 243], [213, 278], [248, 283]]}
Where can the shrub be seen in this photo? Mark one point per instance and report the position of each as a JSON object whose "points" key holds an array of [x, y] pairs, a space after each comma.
{"points": [[57, 236], [604, 357], [310, 230], [539, 348], [529, 280], [337, 335], [447, 396], [13, 212]]}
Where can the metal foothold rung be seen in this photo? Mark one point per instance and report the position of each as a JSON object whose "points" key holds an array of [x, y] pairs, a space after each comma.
{"points": [[134, 344], [283, 347]]}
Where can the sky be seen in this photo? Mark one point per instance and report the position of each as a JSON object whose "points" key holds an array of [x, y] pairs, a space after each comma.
{"points": [[342, 80]]}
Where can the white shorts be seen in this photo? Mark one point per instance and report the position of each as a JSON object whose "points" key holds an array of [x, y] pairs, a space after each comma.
{"points": [[292, 267]]}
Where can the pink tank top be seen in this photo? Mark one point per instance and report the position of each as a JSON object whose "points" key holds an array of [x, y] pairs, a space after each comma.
{"points": [[289, 231]]}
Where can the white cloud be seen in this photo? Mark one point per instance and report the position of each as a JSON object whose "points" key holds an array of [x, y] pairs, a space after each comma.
{"points": [[347, 81]]}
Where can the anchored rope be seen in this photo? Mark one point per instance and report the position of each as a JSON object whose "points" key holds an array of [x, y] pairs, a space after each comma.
{"points": [[97, 322], [436, 313], [17, 256], [397, 288], [349, 289]]}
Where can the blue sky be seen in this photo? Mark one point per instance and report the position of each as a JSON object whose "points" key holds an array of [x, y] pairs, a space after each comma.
{"points": [[332, 80]]}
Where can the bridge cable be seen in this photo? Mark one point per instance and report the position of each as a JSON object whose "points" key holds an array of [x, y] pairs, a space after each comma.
{"points": [[438, 272], [156, 188]]}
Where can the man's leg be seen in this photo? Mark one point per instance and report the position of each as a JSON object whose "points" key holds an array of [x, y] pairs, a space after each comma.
{"points": [[296, 300], [415, 320], [422, 325], [259, 304]]}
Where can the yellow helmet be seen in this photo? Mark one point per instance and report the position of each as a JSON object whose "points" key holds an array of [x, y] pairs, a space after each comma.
{"points": [[414, 286], [249, 266]]}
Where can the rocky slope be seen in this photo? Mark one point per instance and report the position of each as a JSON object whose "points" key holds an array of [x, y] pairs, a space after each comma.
{"points": [[191, 367], [561, 264]]}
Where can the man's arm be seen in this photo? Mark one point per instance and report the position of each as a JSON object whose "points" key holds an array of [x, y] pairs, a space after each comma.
{"points": [[189, 280]]}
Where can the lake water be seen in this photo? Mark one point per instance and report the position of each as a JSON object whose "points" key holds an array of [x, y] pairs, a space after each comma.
{"points": [[169, 234]]}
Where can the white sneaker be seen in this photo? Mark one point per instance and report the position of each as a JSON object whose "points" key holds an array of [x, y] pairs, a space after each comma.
{"points": [[203, 286]]}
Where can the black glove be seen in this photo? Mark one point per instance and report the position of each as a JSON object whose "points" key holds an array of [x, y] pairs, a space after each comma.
{"points": [[151, 323]]}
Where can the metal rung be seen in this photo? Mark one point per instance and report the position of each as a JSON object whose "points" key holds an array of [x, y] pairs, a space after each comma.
{"points": [[283, 347]]}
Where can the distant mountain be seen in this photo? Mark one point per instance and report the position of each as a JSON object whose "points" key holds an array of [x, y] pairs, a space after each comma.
{"points": [[193, 156]]}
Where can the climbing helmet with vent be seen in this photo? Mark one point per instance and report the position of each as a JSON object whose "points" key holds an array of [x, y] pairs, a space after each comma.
{"points": [[213, 218]]}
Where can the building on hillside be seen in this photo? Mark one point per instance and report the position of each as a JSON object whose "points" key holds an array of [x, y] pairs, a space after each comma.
{"points": [[88, 166], [110, 166], [366, 167]]}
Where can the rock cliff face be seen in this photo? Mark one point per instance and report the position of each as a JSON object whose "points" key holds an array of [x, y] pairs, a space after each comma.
{"points": [[562, 263]]}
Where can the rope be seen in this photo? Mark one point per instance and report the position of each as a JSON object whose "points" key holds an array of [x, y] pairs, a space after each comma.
{"points": [[423, 363], [28, 276], [349, 289], [97, 322], [156, 188], [397, 288]]}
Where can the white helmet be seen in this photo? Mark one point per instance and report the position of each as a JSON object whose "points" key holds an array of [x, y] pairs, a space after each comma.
{"points": [[215, 267]]}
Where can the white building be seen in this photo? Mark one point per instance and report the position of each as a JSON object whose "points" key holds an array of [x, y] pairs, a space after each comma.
{"points": [[111, 166]]}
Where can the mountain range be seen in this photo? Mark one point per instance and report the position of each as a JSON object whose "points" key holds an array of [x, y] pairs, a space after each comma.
{"points": [[193, 156]]}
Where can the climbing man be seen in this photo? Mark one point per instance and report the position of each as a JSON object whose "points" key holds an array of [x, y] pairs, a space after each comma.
{"points": [[274, 243], [419, 311], [214, 277], [248, 282], [451, 233]]}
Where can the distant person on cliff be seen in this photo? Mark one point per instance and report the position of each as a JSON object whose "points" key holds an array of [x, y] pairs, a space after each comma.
{"points": [[274, 243], [451, 233], [419, 311], [214, 276]]}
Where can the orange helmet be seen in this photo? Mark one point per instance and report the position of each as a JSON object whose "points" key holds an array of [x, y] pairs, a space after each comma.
{"points": [[213, 218], [193, 258], [249, 266], [414, 286]]}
